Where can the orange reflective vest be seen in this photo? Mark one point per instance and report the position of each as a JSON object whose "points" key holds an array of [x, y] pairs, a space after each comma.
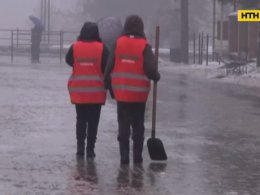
{"points": [[86, 84], [129, 82]]}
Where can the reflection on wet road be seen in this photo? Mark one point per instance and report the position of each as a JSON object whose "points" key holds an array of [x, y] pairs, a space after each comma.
{"points": [[210, 131], [215, 132]]}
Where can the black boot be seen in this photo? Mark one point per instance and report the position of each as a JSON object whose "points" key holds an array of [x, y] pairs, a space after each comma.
{"points": [[124, 152], [80, 148], [90, 151], [91, 154], [137, 151]]}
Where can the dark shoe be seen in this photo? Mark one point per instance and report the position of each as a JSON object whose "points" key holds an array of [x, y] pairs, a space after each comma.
{"points": [[138, 160], [35, 61], [124, 161], [137, 151], [80, 148], [90, 154], [90, 149]]}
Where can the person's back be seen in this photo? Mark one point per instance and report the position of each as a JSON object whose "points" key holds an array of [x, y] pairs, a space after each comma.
{"points": [[36, 37], [88, 57], [129, 82], [131, 65]]}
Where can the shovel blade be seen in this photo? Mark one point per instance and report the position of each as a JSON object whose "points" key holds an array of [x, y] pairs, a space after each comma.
{"points": [[156, 149]]}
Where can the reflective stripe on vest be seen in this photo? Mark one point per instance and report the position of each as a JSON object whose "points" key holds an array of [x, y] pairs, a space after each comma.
{"points": [[86, 89], [129, 76], [129, 82], [86, 84], [131, 88], [86, 78]]}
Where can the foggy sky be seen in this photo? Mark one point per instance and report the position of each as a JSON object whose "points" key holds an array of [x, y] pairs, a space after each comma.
{"points": [[14, 13], [70, 14], [122, 8]]}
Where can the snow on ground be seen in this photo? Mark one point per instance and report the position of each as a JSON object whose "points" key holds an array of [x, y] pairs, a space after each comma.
{"points": [[216, 71], [212, 71]]}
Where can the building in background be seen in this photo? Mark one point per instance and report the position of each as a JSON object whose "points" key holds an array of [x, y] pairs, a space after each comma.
{"points": [[242, 36]]}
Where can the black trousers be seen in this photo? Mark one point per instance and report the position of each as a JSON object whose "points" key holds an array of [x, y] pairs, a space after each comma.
{"points": [[35, 51], [88, 116], [131, 116]]}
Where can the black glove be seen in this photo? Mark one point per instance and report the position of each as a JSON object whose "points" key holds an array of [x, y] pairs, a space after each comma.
{"points": [[158, 76]]}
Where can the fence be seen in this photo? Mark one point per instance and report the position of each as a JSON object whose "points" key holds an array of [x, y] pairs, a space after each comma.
{"points": [[17, 42], [202, 49]]}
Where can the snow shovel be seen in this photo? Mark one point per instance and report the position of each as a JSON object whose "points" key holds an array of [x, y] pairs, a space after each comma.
{"points": [[155, 146]]}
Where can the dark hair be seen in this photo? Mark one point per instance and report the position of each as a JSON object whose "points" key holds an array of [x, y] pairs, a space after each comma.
{"points": [[134, 25], [89, 32]]}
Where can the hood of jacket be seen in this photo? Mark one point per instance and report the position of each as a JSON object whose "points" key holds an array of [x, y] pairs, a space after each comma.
{"points": [[89, 32], [134, 26]]}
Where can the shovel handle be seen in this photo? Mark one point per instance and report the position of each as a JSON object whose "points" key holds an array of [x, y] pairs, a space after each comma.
{"points": [[155, 82]]}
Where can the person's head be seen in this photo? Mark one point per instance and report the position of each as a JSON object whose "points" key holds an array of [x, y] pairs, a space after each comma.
{"points": [[134, 25], [89, 32]]}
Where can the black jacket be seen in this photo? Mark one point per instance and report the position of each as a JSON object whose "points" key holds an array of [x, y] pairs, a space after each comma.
{"points": [[36, 36], [134, 27]]}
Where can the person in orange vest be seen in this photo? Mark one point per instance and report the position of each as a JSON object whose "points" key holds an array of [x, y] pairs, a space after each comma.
{"points": [[131, 66], [88, 57]]}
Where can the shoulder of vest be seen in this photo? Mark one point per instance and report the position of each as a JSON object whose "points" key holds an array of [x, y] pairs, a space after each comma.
{"points": [[135, 38], [92, 42]]}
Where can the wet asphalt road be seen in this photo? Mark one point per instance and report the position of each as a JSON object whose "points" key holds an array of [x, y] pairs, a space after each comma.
{"points": [[210, 131]]}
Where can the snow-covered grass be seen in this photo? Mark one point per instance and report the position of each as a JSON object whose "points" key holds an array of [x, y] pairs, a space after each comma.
{"points": [[216, 71]]}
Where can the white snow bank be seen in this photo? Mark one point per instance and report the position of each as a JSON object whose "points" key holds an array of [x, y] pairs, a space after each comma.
{"points": [[215, 71]]}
